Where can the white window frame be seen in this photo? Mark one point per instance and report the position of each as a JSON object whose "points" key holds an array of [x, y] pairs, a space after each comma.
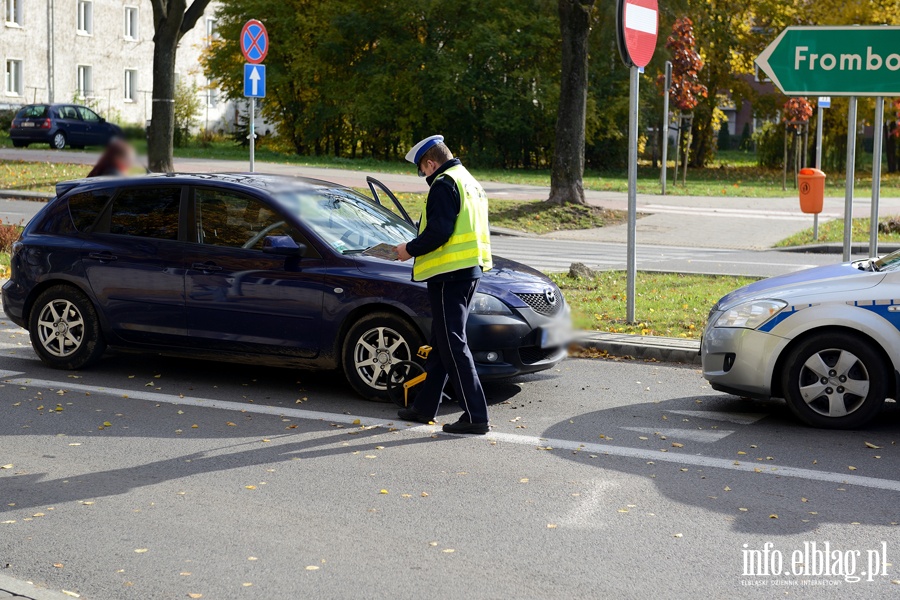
{"points": [[210, 29], [132, 26], [12, 12], [212, 93], [82, 90], [17, 77], [131, 77], [84, 17]]}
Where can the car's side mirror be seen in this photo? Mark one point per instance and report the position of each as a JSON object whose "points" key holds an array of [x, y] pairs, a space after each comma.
{"points": [[102, 120], [283, 245]]}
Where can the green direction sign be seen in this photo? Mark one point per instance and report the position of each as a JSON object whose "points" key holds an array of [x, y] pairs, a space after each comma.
{"points": [[834, 61]]}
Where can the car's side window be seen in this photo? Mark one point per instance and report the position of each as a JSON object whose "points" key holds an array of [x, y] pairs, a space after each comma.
{"points": [[149, 212], [67, 112], [237, 221], [88, 115], [86, 207]]}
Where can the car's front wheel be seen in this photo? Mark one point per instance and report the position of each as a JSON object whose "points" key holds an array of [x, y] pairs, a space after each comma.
{"points": [[59, 140], [64, 328], [835, 381], [373, 345]]}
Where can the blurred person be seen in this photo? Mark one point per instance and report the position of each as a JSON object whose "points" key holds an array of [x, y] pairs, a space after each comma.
{"points": [[452, 249], [117, 160]]}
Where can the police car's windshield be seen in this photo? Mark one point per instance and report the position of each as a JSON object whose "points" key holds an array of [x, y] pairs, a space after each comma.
{"points": [[888, 262], [347, 221]]}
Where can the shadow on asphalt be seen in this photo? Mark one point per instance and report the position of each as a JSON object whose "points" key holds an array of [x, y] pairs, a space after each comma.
{"points": [[776, 438]]}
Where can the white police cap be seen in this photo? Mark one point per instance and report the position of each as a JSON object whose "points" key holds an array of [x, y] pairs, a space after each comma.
{"points": [[418, 151]]}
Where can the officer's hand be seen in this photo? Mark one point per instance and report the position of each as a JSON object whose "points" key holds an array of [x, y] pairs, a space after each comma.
{"points": [[402, 254]]}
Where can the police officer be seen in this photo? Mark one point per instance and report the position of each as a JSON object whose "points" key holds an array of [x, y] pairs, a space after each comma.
{"points": [[452, 250]]}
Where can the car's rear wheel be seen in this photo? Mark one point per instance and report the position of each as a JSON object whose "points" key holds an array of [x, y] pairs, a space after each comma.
{"points": [[373, 345], [64, 328], [835, 381], [59, 140]]}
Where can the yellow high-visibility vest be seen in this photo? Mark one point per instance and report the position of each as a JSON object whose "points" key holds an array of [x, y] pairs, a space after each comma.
{"points": [[470, 243]]}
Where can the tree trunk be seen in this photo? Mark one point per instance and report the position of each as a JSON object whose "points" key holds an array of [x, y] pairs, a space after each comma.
{"points": [[566, 176], [171, 20], [162, 114]]}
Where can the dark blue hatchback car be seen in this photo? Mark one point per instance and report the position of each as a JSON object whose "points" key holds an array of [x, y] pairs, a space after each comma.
{"points": [[254, 269], [60, 125]]}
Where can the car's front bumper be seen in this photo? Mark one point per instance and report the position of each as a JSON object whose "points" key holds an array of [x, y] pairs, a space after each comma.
{"points": [[740, 361], [523, 343]]}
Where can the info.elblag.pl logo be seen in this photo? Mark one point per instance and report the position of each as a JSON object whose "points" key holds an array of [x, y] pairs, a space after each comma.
{"points": [[813, 564]]}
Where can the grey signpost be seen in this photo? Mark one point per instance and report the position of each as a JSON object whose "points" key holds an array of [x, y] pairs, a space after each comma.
{"points": [[254, 43], [876, 175], [665, 127], [822, 103], [839, 61]]}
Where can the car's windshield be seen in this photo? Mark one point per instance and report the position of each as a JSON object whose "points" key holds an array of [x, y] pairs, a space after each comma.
{"points": [[347, 221], [888, 262]]}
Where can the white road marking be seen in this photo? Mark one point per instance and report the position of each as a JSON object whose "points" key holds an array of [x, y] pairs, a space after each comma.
{"points": [[705, 436], [683, 459], [584, 515], [6, 374], [747, 262], [716, 415]]}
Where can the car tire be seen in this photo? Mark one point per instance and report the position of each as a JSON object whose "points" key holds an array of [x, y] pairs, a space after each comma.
{"points": [[816, 376], [19, 144], [373, 345], [65, 331], [59, 141]]}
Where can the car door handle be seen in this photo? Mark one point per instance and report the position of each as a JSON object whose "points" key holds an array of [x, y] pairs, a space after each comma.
{"points": [[207, 267], [103, 256]]}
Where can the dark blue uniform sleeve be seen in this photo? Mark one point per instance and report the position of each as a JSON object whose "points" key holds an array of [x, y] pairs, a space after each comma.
{"points": [[441, 210]]}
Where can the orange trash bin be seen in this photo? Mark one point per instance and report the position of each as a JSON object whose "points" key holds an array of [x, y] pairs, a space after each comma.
{"points": [[812, 190]]}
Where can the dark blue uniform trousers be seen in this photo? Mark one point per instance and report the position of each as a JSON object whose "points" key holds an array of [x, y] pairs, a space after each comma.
{"points": [[450, 358]]}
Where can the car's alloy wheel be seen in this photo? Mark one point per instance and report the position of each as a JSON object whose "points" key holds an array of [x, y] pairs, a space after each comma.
{"points": [[835, 381], [372, 347], [64, 329], [59, 140]]}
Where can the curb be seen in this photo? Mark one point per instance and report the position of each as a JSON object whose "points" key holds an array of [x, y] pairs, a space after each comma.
{"points": [[28, 591], [858, 248], [511, 232], [26, 195], [663, 349]]}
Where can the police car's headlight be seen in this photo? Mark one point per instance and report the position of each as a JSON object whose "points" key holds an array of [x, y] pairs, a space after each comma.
{"points": [[750, 315], [485, 304]]}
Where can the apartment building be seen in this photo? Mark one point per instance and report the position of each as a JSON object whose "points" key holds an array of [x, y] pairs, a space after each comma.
{"points": [[99, 53]]}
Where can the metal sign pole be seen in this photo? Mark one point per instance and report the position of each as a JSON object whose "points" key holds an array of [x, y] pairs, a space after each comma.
{"points": [[820, 114], [252, 132], [631, 263], [876, 176], [665, 140], [850, 170]]}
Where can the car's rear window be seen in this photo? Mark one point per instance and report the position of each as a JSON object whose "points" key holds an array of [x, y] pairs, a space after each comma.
{"points": [[38, 111], [86, 207]]}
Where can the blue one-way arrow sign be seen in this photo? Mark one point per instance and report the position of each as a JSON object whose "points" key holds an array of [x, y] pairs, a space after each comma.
{"points": [[255, 81]]}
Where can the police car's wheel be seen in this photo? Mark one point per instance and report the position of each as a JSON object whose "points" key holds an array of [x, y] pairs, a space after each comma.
{"points": [[373, 345], [64, 328], [835, 381]]}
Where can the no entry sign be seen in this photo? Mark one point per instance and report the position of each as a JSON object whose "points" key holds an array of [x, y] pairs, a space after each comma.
{"points": [[637, 28], [254, 41]]}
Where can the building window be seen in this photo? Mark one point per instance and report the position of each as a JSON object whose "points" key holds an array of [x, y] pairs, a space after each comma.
{"points": [[130, 85], [212, 94], [13, 12], [14, 77], [85, 81], [210, 30], [131, 23], [85, 17]]}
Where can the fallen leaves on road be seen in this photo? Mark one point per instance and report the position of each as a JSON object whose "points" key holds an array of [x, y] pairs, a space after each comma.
{"points": [[678, 535], [313, 568], [140, 550], [677, 445], [872, 446], [9, 466], [250, 487], [195, 596], [383, 492], [773, 516], [852, 468]]}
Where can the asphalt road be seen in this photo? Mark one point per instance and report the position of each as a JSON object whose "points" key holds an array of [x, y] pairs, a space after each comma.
{"points": [[152, 478]]}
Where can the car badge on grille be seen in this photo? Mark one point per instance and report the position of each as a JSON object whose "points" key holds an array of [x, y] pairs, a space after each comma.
{"points": [[550, 297]]}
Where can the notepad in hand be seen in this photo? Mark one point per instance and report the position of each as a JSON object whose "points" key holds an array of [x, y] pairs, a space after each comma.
{"points": [[383, 251]]}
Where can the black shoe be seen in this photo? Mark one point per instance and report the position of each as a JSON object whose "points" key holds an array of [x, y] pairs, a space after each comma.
{"points": [[411, 414], [465, 427]]}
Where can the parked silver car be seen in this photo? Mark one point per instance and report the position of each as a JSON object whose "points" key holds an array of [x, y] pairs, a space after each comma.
{"points": [[826, 339]]}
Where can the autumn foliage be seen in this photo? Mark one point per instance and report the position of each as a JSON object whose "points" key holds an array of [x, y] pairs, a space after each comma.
{"points": [[686, 89], [796, 111]]}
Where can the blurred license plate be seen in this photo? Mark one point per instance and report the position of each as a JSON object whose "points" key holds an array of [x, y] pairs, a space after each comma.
{"points": [[555, 336], [27, 124]]}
